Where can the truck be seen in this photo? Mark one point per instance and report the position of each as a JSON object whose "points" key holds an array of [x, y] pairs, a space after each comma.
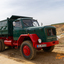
{"points": [[25, 32]]}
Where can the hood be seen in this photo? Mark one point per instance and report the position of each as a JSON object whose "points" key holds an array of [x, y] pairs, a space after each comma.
{"points": [[41, 27], [40, 31]]}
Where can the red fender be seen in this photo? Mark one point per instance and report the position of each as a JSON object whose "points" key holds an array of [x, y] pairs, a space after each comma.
{"points": [[34, 38]]}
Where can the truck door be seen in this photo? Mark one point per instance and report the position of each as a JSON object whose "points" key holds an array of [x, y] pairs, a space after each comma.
{"points": [[17, 29]]}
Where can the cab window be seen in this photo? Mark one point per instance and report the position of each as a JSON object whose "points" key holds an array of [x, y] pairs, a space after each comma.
{"points": [[17, 23], [27, 22]]}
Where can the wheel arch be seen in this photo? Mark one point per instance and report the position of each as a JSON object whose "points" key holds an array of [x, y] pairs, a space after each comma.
{"points": [[32, 37]]}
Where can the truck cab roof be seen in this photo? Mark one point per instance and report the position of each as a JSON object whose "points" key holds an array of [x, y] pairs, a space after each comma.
{"points": [[13, 17]]}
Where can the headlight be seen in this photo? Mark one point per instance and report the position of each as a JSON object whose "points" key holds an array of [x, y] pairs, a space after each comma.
{"points": [[39, 40]]}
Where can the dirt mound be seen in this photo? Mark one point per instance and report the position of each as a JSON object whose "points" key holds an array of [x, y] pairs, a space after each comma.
{"points": [[61, 40], [59, 28], [60, 32]]}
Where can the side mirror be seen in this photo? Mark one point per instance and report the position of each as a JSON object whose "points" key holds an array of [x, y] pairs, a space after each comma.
{"points": [[41, 24], [21, 26]]}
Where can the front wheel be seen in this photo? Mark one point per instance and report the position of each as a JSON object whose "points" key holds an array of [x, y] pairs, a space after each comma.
{"points": [[27, 50], [48, 49]]}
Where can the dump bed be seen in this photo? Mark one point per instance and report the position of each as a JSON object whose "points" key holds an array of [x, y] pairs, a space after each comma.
{"points": [[4, 28]]}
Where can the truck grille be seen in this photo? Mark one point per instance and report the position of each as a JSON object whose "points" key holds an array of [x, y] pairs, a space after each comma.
{"points": [[51, 31]]}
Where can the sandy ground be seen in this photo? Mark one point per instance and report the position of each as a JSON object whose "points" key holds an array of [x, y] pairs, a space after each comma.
{"points": [[13, 56]]}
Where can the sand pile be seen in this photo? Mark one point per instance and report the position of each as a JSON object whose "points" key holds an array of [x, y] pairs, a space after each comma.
{"points": [[59, 28], [61, 39], [60, 32]]}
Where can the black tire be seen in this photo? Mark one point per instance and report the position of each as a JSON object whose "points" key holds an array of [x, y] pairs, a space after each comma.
{"points": [[32, 50], [2, 45], [48, 49]]}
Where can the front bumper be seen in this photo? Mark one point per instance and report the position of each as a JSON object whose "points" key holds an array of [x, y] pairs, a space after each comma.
{"points": [[46, 44]]}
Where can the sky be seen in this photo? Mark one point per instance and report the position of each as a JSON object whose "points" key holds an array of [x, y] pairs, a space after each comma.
{"points": [[45, 11]]}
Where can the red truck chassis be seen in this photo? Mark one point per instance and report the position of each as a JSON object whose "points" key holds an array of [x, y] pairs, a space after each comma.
{"points": [[33, 37]]}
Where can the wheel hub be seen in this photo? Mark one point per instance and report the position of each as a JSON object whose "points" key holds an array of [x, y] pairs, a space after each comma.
{"points": [[26, 50]]}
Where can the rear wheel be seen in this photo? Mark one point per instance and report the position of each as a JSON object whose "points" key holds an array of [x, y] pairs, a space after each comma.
{"points": [[27, 50], [2, 45], [48, 49]]}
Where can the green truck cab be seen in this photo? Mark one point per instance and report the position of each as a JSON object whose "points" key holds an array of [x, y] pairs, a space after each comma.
{"points": [[25, 32]]}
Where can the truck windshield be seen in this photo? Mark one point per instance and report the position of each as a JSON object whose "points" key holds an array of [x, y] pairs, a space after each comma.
{"points": [[30, 23]]}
